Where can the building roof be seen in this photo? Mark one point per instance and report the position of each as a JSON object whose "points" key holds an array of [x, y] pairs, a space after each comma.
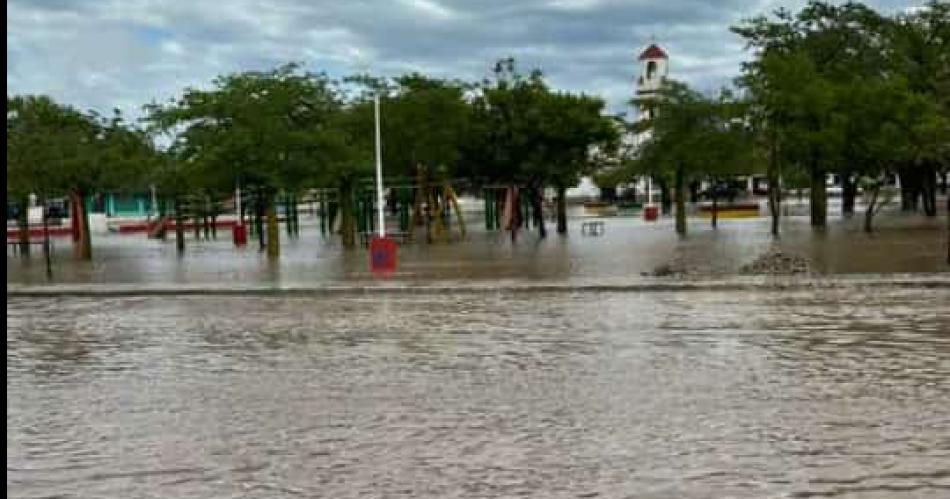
{"points": [[653, 52]]}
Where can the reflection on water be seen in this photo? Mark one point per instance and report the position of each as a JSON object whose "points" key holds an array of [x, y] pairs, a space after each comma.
{"points": [[742, 394]]}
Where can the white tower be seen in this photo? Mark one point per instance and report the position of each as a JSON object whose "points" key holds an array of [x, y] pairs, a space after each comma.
{"points": [[653, 70]]}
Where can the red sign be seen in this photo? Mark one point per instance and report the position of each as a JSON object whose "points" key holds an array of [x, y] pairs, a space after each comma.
{"points": [[650, 213], [382, 254]]}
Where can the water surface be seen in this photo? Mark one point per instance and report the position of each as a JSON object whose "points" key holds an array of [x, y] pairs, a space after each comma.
{"points": [[826, 392]]}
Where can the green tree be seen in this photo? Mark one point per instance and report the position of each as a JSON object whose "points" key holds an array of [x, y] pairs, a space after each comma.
{"points": [[270, 131], [56, 150], [524, 134], [693, 137]]}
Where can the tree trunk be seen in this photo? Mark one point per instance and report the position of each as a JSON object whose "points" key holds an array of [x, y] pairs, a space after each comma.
{"points": [[47, 256], [259, 204], [347, 226], [818, 198], [195, 216], [537, 201], [296, 215], [162, 213], [666, 201], [929, 191], [680, 186], [273, 231], [453, 199], [23, 224], [849, 190], [910, 189], [82, 244], [715, 209], [179, 227], [561, 210], [775, 197], [288, 219], [869, 212]]}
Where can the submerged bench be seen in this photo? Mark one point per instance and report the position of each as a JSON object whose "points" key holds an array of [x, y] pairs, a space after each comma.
{"points": [[593, 228]]}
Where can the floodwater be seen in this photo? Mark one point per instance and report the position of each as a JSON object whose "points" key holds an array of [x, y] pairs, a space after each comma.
{"points": [[629, 247], [813, 393]]}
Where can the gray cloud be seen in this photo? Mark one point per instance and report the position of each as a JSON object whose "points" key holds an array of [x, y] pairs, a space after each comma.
{"points": [[123, 53]]}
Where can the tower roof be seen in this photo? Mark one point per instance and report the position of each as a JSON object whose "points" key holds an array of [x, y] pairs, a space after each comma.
{"points": [[653, 52]]}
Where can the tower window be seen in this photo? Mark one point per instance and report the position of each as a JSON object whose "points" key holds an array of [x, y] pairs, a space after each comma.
{"points": [[651, 69]]}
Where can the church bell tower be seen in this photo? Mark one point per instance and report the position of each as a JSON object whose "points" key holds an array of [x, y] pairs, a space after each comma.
{"points": [[654, 68]]}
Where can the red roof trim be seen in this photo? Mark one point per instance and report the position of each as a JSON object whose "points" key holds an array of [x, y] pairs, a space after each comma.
{"points": [[653, 52]]}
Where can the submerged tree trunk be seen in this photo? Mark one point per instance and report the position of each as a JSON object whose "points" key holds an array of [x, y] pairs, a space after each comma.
{"points": [[849, 190], [775, 198], [162, 213], [273, 231], [929, 191], [453, 199], [23, 224], [347, 223], [818, 198], [537, 203], [680, 186], [872, 205], [715, 209], [206, 217], [47, 256], [666, 201], [910, 189], [179, 226], [82, 245], [259, 217], [561, 210]]}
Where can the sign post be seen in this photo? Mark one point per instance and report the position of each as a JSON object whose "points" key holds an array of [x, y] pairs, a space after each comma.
{"points": [[382, 249], [239, 231]]}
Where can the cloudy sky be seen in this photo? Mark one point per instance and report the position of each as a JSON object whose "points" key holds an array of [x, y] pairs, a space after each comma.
{"points": [[123, 53]]}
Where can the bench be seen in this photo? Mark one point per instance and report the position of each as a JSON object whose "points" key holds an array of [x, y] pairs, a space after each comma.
{"points": [[592, 228]]}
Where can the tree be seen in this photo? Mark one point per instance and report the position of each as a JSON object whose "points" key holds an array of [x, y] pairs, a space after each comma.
{"points": [[822, 48], [424, 123], [267, 130], [55, 150], [524, 134], [918, 54], [693, 137]]}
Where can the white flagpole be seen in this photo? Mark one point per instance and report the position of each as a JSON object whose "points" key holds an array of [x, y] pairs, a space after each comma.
{"points": [[379, 172]]}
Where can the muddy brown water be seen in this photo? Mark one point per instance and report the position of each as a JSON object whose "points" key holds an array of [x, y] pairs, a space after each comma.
{"points": [[758, 393]]}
